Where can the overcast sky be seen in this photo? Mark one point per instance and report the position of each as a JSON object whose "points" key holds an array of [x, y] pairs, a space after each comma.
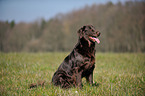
{"points": [[30, 10]]}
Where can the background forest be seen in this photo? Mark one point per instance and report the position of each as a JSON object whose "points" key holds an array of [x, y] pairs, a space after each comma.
{"points": [[122, 28]]}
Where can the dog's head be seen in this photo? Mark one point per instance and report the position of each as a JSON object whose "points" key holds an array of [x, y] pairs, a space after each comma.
{"points": [[89, 33]]}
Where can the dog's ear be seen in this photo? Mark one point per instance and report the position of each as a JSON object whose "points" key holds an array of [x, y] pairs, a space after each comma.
{"points": [[83, 28], [81, 31]]}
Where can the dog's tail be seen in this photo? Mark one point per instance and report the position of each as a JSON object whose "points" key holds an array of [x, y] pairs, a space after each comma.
{"points": [[39, 83], [62, 79]]}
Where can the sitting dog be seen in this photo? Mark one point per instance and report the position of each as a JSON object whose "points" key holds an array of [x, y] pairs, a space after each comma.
{"points": [[80, 62]]}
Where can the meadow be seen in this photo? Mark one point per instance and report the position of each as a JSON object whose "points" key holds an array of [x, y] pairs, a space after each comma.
{"points": [[119, 74]]}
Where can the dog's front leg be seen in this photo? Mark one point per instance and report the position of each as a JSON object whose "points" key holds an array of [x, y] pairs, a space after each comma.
{"points": [[89, 78], [78, 78]]}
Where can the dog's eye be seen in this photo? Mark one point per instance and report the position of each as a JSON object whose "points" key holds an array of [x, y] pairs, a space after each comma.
{"points": [[90, 27]]}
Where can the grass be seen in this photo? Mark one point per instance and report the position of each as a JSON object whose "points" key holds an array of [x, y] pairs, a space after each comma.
{"points": [[115, 74]]}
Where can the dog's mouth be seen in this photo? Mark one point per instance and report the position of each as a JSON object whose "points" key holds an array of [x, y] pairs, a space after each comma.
{"points": [[94, 39]]}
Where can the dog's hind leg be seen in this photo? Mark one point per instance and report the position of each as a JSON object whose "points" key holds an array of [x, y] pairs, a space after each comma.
{"points": [[62, 79]]}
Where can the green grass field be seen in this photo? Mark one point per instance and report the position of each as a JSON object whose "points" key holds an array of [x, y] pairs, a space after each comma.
{"points": [[115, 74]]}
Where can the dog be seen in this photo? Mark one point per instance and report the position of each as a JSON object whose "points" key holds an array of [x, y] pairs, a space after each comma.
{"points": [[80, 62]]}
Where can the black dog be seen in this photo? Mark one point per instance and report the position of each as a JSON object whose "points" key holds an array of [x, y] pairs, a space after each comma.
{"points": [[80, 62]]}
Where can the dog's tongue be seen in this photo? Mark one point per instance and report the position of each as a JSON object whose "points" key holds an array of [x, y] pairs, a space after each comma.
{"points": [[97, 40]]}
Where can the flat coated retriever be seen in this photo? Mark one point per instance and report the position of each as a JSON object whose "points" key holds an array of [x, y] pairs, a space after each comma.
{"points": [[80, 62]]}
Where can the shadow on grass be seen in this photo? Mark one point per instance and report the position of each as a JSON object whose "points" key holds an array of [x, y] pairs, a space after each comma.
{"points": [[96, 84]]}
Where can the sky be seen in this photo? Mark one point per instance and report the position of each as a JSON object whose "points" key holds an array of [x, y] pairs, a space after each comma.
{"points": [[31, 10]]}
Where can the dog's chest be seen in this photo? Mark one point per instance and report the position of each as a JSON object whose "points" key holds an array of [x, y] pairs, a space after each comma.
{"points": [[85, 63], [88, 63]]}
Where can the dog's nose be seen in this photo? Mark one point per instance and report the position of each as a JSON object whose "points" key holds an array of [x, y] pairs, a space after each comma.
{"points": [[98, 33]]}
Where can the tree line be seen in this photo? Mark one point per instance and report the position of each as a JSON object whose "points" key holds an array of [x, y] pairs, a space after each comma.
{"points": [[122, 28]]}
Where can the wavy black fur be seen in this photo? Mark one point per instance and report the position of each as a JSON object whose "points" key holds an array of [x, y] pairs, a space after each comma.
{"points": [[79, 63]]}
